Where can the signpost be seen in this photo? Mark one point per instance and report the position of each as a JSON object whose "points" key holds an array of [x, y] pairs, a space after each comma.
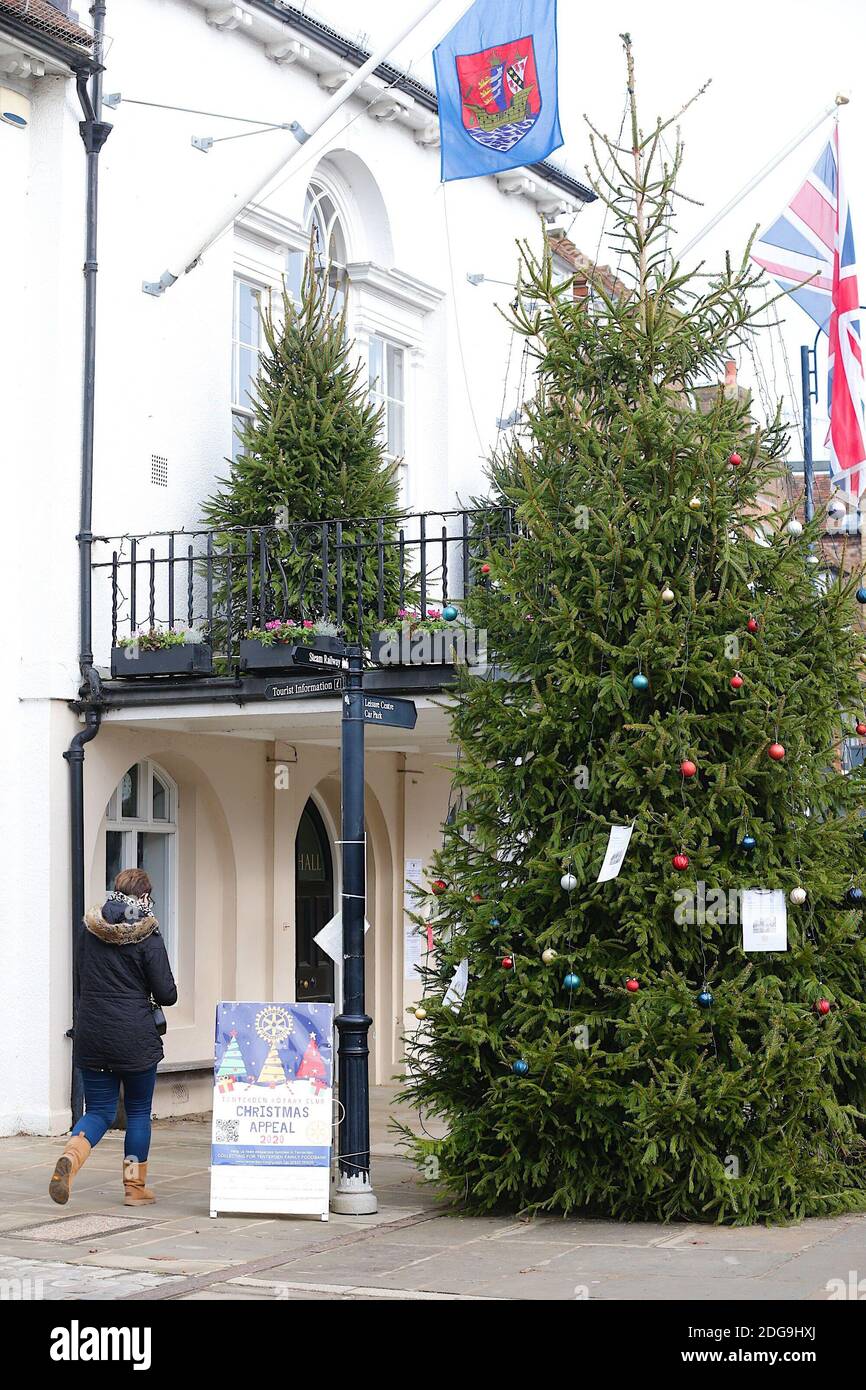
{"points": [[378, 709], [353, 1194], [319, 660], [302, 687]]}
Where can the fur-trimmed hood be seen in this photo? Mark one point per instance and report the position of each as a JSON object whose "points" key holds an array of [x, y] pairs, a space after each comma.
{"points": [[120, 933]]}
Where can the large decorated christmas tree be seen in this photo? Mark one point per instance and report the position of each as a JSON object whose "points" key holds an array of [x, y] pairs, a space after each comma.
{"points": [[668, 656]]}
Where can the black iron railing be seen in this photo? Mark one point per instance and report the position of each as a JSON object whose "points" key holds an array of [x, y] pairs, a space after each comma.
{"points": [[355, 574]]}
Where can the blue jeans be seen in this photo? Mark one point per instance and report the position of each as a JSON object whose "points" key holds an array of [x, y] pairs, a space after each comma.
{"points": [[101, 1092]]}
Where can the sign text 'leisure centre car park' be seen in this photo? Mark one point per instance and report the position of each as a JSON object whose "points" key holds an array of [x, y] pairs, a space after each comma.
{"points": [[380, 709]]}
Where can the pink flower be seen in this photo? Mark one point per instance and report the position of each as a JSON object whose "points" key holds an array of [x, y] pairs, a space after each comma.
{"points": [[434, 612], [308, 623], [274, 623]]}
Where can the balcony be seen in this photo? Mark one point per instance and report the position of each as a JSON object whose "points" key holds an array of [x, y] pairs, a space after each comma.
{"points": [[351, 576]]}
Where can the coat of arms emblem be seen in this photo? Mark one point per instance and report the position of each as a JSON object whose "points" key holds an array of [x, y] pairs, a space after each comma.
{"points": [[501, 100]]}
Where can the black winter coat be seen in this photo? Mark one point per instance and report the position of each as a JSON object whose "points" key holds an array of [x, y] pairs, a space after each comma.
{"points": [[122, 966]]}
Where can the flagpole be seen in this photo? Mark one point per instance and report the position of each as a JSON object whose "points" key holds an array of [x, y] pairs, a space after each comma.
{"points": [[832, 110], [807, 433], [189, 255]]}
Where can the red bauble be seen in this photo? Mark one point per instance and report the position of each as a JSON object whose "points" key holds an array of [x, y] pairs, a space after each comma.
{"points": [[438, 886], [734, 459], [507, 963], [776, 752], [736, 681], [632, 986], [822, 1007], [861, 728], [688, 768], [485, 569], [752, 625], [680, 861], [477, 898]]}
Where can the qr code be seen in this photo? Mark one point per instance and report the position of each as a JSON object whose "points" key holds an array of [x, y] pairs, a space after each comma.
{"points": [[226, 1131]]}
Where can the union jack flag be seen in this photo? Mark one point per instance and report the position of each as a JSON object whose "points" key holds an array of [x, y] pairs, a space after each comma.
{"points": [[809, 250]]}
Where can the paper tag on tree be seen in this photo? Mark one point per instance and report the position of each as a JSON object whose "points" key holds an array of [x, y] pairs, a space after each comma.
{"points": [[456, 991], [615, 853], [765, 919]]}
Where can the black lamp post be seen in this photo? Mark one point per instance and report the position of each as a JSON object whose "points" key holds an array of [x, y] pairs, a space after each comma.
{"points": [[809, 387], [353, 1194]]}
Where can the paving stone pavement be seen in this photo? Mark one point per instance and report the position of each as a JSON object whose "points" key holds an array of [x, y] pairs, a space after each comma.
{"points": [[413, 1249]]}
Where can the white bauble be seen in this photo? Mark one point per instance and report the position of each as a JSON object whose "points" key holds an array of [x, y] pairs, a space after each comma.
{"points": [[549, 955], [568, 882], [794, 527], [668, 595], [797, 896], [695, 504], [420, 1013], [837, 508]]}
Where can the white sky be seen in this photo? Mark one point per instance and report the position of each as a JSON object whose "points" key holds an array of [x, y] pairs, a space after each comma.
{"points": [[774, 65]]}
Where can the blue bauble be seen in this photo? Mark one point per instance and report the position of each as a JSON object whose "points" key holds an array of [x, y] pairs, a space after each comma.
{"points": [[705, 999], [571, 981], [639, 682], [520, 1068], [748, 842], [449, 613], [861, 595], [494, 921], [854, 896]]}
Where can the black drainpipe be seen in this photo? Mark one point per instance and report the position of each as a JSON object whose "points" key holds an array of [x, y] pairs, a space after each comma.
{"points": [[94, 133]]}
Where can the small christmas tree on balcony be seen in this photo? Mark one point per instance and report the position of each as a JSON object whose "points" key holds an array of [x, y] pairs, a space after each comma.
{"points": [[311, 453], [674, 663]]}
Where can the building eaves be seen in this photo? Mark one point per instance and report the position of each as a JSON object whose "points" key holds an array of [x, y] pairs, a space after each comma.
{"points": [[316, 31]]}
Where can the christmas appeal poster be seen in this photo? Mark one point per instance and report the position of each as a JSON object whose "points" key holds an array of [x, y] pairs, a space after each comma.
{"points": [[272, 1111]]}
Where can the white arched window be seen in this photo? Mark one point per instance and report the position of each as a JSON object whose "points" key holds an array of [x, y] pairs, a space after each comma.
{"points": [[141, 833], [324, 222]]}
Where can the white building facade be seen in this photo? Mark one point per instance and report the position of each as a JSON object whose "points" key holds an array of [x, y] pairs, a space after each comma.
{"points": [[231, 800]]}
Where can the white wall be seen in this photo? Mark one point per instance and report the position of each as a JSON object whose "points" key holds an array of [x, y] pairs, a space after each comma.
{"points": [[164, 364], [163, 387]]}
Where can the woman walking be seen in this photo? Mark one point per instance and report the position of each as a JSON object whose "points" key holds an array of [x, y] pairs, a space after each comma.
{"points": [[124, 972]]}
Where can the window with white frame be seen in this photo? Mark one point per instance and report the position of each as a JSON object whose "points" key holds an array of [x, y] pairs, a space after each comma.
{"points": [[387, 375], [248, 306], [323, 222], [141, 833]]}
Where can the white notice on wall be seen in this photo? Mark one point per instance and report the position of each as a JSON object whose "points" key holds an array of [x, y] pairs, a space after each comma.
{"points": [[615, 853], [412, 937], [765, 920]]}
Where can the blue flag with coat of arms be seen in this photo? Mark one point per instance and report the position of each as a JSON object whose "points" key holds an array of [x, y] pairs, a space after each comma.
{"points": [[496, 84]]}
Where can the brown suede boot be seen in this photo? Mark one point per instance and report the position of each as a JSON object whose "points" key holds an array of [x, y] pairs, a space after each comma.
{"points": [[135, 1193], [67, 1166]]}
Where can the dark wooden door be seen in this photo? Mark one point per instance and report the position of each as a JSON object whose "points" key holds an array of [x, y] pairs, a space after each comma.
{"points": [[314, 907]]}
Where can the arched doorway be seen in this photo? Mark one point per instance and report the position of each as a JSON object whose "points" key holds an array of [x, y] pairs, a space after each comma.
{"points": [[314, 907]]}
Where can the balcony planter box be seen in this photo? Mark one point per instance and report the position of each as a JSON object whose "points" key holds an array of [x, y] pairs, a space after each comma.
{"points": [[445, 647], [280, 656], [185, 659]]}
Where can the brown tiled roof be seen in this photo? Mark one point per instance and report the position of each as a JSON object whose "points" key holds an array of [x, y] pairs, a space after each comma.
{"points": [[561, 246], [46, 20]]}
